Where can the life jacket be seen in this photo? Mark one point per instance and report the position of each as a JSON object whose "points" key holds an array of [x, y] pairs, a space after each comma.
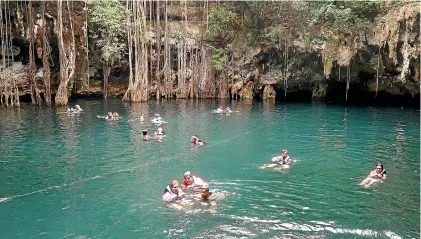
{"points": [[168, 189], [285, 161]]}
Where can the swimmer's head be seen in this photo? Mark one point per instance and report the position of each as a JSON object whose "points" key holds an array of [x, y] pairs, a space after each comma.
{"points": [[379, 167], [78, 108], [188, 178], [205, 194], [284, 153], [144, 132], [174, 186]]}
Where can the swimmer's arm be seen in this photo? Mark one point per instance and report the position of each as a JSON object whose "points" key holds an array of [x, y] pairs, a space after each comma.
{"points": [[167, 197], [384, 175], [199, 182], [373, 174]]}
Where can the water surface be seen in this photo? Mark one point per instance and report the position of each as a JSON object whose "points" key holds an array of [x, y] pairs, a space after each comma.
{"points": [[83, 177]]}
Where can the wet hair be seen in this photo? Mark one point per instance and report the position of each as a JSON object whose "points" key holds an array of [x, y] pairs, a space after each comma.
{"points": [[380, 164], [173, 182], [205, 194], [144, 132]]}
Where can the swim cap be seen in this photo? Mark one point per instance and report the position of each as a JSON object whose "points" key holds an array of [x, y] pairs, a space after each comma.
{"points": [[188, 173]]}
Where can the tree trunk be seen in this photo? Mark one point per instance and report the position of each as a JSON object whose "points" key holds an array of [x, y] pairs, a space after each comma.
{"points": [[35, 96], [46, 49], [66, 54], [106, 72]]}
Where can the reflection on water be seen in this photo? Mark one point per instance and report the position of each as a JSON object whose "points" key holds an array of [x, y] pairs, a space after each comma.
{"points": [[400, 139], [81, 176]]}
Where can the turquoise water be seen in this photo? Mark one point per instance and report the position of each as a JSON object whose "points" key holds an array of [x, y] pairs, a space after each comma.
{"points": [[83, 177]]}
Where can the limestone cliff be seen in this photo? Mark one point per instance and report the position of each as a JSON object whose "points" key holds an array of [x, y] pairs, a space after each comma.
{"points": [[385, 59]]}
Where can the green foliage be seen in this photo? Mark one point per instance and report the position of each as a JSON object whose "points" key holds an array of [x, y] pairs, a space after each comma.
{"points": [[108, 22], [222, 24], [219, 58], [342, 17]]}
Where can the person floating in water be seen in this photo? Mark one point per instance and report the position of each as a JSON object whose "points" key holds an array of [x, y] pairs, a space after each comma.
{"points": [[191, 181], [206, 198], [75, 110], [204, 194], [116, 116], [280, 162], [377, 175], [219, 110], [196, 141], [283, 159], [158, 120], [145, 135], [172, 192], [159, 132]]}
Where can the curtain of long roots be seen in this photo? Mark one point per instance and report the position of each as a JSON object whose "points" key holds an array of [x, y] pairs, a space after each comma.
{"points": [[9, 91]]}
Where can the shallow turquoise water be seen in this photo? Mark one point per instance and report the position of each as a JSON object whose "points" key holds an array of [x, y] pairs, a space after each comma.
{"points": [[84, 177]]}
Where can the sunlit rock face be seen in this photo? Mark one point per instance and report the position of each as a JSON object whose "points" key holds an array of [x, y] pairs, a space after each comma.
{"points": [[295, 65]]}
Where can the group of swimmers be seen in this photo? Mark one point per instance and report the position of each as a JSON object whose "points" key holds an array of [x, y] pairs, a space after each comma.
{"points": [[75, 110], [173, 192], [221, 111], [110, 116], [159, 134], [283, 161]]}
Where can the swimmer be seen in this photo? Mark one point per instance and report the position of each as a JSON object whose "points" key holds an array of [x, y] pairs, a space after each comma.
{"points": [[280, 162], [159, 132], [172, 192], [219, 110], [204, 194], [228, 110], [116, 116], [158, 120], [283, 159], [206, 198], [145, 135], [191, 181], [109, 116], [377, 175], [141, 118], [196, 141], [75, 110]]}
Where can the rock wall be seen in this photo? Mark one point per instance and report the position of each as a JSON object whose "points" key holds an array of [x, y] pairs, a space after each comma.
{"points": [[386, 60]]}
